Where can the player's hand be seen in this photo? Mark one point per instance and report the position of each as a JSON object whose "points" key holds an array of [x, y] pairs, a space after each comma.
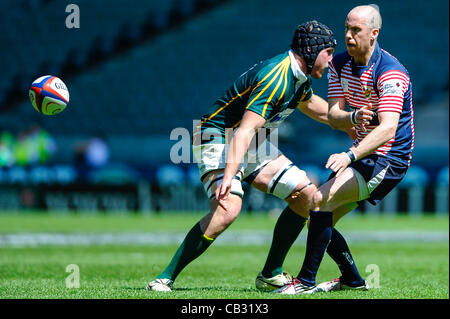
{"points": [[364, 115], [223, 191], [338, 162]]}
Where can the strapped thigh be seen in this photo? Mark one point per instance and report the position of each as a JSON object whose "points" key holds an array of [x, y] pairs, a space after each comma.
{"points": [[285, 180], [210, 185]]}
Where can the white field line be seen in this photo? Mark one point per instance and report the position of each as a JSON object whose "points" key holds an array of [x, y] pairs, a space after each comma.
{"points": [[239, 238]]}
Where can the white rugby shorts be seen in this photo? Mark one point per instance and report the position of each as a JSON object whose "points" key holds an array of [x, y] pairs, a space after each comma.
{"points": [[210, 157]]}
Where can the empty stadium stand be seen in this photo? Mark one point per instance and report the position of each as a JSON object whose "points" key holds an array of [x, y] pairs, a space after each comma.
{"points": [[133, 72]]}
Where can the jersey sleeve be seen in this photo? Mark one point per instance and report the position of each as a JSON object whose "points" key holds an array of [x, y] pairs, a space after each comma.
{"points": [[307, 90], [392, 86], [268, 91], [334, 84]]}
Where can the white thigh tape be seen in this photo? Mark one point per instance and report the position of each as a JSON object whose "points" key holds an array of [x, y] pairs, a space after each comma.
{"points": [[211, 186], [277, 176], [285, 181], [236, 187]]}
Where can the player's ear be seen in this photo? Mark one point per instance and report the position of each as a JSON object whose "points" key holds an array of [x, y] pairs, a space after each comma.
{"points": [[374, 34]]}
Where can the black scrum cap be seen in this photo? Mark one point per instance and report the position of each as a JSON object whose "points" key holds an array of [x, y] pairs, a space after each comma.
{"points": [[309, 39]]}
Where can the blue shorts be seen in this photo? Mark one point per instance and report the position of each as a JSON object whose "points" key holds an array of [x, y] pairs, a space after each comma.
{"points": [[380, 174]]}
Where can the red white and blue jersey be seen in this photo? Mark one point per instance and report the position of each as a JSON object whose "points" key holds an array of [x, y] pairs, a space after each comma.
{"points": [[384, 83]]}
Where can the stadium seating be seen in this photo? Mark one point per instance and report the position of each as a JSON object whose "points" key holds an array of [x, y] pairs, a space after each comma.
{"points": [[114, 174], [46, 32], [149, 91], [416, 176], [443, 177], [170, 175], [442, 194], [166, 81]]}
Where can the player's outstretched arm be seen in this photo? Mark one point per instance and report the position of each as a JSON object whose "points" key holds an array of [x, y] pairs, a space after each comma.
{"points": [[316, 108], [339, 118]]}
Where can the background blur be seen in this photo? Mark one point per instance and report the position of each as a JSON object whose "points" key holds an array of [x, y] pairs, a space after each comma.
{"points": [[138, 69]]}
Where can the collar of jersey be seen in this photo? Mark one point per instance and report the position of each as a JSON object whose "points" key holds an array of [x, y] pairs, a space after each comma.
{"points": [[298, 73], [358, 70]]}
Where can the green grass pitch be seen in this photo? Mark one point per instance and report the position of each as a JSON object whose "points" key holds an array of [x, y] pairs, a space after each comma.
{"points": [[407, 269]]}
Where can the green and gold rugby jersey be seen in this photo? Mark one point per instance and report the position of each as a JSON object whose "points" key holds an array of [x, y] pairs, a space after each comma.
{"points": [[269, 89]]}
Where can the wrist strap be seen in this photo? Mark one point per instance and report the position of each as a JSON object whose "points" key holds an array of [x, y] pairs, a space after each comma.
{"points": [[353, 118], [351, 155]]}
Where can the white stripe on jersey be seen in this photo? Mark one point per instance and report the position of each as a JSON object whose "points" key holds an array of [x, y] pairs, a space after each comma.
{"points": [[412, 127], [359, 92]]}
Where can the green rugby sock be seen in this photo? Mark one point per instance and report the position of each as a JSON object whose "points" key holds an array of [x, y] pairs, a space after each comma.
{"points": [[194, 244], [286, 231]]}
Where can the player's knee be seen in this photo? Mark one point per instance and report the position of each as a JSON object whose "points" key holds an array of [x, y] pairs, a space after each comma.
{"points": [[226, 220], [220, 219], [300, 199], [228, 216], [317, 200]]}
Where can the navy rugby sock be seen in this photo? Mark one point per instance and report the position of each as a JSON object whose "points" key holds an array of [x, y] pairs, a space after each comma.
{"points": [[340, 253], [288, 227], [319, 236]]}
